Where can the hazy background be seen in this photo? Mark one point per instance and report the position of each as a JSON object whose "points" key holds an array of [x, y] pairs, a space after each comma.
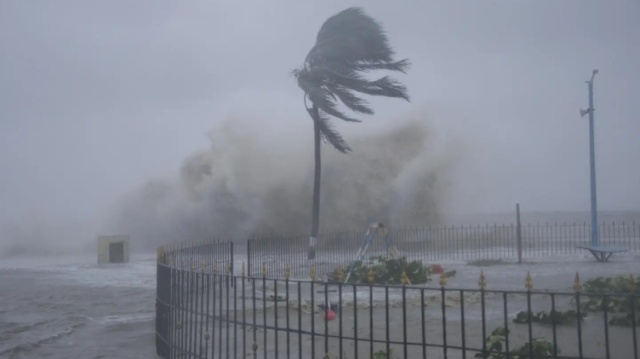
{"points": [[173, 120]]}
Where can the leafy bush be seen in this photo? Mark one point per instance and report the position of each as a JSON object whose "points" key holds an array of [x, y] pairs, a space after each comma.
{"points": [[597, 288], [542, 349], [495, 347], [624, 321], [382, 354], [385, 271], [568, 317], [619, 284]]}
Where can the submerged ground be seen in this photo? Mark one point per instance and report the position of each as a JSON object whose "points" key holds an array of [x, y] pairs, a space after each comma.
{"points": [[72, 308]]}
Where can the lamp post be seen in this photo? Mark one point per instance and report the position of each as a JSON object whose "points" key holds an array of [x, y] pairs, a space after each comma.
{"points": [[595, 240]]}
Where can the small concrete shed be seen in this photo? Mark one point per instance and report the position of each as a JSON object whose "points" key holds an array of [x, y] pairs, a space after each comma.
{"points": [[113, 249]]}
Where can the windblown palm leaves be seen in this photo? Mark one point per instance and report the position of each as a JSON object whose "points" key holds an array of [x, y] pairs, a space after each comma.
{"points": [[349, 44]]}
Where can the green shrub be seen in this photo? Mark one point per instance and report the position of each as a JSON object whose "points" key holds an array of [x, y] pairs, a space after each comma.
{"points": [[623, 305], [382, 354], [619, 284], [560, 318], [385, 271], [495, 347]]}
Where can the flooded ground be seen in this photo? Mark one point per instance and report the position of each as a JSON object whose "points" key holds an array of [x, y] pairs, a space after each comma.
{"points": [[72, 308]]}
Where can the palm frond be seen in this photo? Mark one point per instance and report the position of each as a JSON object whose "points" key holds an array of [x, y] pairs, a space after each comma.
{"points": [[350, 100], [384, 86], [351, 36], [328, 133], [352, 80], [348, 45], [401, 66], [322, 97]]}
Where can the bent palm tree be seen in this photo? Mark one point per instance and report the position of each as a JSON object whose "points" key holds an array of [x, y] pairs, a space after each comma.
{"points": [[348, 45]]}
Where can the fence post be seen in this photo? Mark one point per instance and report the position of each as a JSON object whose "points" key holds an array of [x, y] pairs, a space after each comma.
{"points": [[249, 257], [519, 233], [230, 276], [231, 254]]}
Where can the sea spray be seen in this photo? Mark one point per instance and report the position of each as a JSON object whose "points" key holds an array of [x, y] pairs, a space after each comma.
{"points": [[247, 182]]}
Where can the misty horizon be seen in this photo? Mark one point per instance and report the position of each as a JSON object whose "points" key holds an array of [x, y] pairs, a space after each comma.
{"points": [[137, 119]]}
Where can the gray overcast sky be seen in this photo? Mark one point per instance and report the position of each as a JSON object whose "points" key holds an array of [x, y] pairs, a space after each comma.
{"points": [[98, 96]]}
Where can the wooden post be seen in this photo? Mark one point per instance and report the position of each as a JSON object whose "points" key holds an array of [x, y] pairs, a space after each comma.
{"points": [[519, 232]]}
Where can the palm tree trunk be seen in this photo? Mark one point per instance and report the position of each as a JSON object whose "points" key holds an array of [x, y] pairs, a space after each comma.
{"points": [[315, 212]]}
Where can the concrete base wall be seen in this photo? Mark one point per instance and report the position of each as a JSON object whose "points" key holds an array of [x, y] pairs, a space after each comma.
{"points": [[103, 247]]}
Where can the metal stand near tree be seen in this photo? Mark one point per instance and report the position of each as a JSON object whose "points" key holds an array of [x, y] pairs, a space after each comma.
{"points": [[348, 45]]}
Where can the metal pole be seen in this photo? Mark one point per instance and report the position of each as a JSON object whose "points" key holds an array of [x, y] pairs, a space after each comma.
{"points": [[595, 240], [519, 232]]}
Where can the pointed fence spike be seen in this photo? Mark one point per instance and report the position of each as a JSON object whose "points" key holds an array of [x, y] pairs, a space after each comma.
{"points": [[312, 272], [528, 282], [287, 272], [443, 279], [482, 282], [371, 276], [339, 275], [403, 278], [577, 284]]}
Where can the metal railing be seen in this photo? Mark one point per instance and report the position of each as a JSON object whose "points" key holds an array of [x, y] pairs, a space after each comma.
{"points": [[174, 291], [437, 244], [210, 312]]}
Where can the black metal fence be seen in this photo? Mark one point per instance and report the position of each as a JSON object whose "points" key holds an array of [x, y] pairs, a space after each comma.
{"points": [[437, 244], [211, 256], [173, 291], [215, 314]]}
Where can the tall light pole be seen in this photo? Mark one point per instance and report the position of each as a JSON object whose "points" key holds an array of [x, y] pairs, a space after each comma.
{"points": [[595, 240]]}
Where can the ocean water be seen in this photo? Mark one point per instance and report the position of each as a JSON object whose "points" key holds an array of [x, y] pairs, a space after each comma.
{"points": [[72, 308]]}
